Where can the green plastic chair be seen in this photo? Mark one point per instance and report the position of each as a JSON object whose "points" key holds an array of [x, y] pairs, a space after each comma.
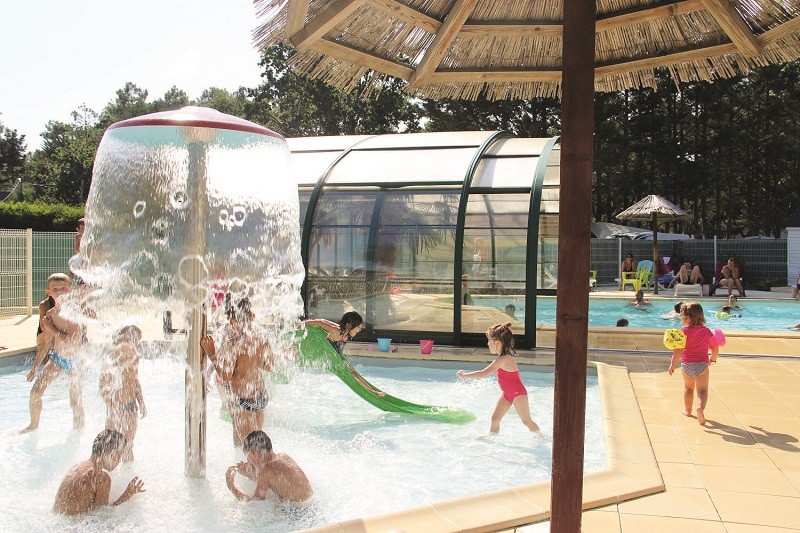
{"points": [[641, 278]]}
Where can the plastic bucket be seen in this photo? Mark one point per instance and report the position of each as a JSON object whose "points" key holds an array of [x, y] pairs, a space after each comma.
{"points": [[425, 346], [383, 344]]}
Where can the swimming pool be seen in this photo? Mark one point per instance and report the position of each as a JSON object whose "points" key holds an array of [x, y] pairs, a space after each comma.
{"points": [[361, 461], [755, 315]]}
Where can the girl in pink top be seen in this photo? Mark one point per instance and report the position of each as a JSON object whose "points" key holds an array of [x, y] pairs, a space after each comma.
{"points": [[501, 344], [694, 358]]}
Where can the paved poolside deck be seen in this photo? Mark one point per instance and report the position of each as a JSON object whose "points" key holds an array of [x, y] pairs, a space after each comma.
{"points": [[740, 473]]}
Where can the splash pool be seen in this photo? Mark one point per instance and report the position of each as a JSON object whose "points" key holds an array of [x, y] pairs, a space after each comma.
{"points": [[361, 461], [755, 315]]}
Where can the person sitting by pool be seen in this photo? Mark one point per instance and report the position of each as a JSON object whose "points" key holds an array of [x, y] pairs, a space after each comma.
{"points": [[271, 471], [244, 353], [627, 266], [689, 275], [622, 323], [87, 485], [796, 290], [731, 278], [638, 300], [675, 313], [511, 310]]}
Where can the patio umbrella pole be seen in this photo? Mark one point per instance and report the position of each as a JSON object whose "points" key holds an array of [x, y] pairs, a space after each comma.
{"points": [[574, 230], [654, 223]]}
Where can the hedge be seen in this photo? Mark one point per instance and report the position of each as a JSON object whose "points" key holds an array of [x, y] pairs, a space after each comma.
{"points": [[39, 217]]}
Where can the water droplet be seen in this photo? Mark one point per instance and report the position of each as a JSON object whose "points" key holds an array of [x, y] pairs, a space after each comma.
{"points": [[138, 209]]}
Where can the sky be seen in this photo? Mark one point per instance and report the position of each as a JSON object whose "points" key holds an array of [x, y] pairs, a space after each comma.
{"points": [[58, 55]]}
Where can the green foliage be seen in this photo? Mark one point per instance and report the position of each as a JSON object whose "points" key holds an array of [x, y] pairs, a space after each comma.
{"points": [[12, 157], [38, 216]]}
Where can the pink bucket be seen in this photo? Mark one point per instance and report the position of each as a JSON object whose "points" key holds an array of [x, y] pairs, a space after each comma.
{"points": [[425, 346]]}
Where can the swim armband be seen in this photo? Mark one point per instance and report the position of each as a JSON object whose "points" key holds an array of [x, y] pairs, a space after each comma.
{"points": [[674, 339], [719, 337]]}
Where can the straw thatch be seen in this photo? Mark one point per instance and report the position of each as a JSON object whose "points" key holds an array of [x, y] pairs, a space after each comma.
{"points": [[512, 48], [644, 209]]}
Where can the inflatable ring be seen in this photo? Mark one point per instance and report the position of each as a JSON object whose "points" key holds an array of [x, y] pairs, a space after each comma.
{"points": [[722, 315], [674, 339]]}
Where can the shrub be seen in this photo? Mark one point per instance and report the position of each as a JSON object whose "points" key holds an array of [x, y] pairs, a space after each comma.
{"points": [[38, 216]]}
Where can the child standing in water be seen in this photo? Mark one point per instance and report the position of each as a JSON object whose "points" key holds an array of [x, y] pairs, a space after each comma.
{"points": [[120, 387], [694, 358], [501, 344]]}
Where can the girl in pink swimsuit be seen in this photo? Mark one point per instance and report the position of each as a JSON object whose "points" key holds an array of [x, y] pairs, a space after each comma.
{"points": [[501, 344]]}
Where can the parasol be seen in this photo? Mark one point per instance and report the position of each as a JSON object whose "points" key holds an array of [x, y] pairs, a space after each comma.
{"points": [[528, 48], [653, 208]]}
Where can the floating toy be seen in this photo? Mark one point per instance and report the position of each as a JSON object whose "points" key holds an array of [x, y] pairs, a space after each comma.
{"points": [[674, 339], [317, 352], [719, 337], [722, 315]]}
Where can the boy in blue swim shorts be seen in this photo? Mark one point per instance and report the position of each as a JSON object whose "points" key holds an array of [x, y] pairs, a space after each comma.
{"points": [[60, 338]]}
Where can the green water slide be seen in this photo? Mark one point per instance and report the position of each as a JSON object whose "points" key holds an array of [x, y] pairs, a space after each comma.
{"points": [[317, 352]]}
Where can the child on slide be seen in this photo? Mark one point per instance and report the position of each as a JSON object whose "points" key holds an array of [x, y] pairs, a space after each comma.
{"points": [[340, 334], [501, 344]]}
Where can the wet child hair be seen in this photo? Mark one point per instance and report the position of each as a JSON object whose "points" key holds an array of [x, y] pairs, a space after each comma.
{"points": [[502, 333], [126, 333], [58, 276], [622, 323], [108, 440], [678, 307], [350, 320], [694, 311], [258, 441]]}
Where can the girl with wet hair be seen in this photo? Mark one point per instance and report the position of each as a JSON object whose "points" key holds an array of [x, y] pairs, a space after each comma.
{"points": [[513, 392], [339, 334]]}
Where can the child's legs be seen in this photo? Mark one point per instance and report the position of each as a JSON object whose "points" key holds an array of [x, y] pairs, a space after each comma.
{"points": [[500, 411], [701, 382], [688, 393], [76, 394], [130, 422], [523, 409], [49, 373]]}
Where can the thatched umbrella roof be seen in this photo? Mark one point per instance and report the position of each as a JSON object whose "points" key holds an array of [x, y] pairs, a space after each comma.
{"points": [[653, 204], [653, 208], [513, 48]]}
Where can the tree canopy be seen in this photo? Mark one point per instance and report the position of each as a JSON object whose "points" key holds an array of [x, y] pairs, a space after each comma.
{"points": [[726, 151]]}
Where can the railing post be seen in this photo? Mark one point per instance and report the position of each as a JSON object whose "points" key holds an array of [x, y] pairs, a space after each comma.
{"points": [[29, 270]]}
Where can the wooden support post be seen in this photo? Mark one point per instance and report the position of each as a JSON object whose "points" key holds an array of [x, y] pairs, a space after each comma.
{"points": [[569, 411]]}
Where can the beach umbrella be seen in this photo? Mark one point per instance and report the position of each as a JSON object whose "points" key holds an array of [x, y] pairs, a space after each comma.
{"points": [[653, 208], [524, 49]]}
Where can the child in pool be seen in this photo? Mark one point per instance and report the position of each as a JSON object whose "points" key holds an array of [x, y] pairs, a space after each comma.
{"points": [[87, 484], [694, 358], [639, 300], [501, 344], [120, 386], [675, 313], [276, 472]]}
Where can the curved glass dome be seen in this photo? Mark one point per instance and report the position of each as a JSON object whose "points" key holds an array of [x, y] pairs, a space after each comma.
{"points": [[429, 235]]}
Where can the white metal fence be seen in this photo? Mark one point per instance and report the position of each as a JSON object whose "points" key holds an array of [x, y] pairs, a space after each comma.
{"points": [[26, 260]]}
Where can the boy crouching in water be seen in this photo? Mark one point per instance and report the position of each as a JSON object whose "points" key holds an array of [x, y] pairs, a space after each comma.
{"points": [[87, 484], [271, 471], [120, 387]]}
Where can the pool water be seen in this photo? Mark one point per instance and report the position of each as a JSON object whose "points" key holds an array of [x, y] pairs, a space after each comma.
{"points": [[360, 461], [755, 315]]}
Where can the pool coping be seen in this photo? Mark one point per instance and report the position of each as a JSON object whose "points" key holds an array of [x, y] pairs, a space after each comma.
{"points": [[631, 472]]}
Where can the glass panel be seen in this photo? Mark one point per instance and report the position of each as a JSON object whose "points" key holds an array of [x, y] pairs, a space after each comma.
{"points": [[305, 197], [337, 261], [414, 261], [506, 172], [446, 165], [495, 250]]}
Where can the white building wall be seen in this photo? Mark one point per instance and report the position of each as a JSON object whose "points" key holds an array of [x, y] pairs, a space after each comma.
{"points": [[792, 254]]}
